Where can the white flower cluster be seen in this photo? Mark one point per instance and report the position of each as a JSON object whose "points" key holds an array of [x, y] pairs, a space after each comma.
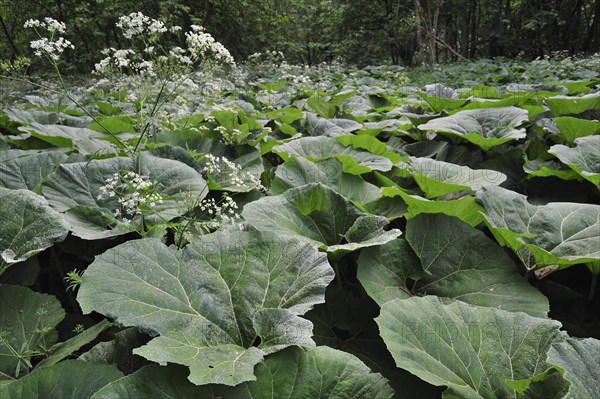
{"points": [[221, 212], [201, 43], [272, 56], [238, 176], [135, 194], [114, 59], [179, 54], [137, 23], [48, 46], [229, 137], [49, 24], [154, 60], [51, 49]]}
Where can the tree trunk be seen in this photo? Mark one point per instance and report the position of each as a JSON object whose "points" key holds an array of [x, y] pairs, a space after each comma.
{"points": [[11, 43], [592, 41], [420, 40], [473, 29], [427, 16]]}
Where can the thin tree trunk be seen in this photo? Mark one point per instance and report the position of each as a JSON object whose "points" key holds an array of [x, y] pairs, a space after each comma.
{"points": [[592, 41], [473, 29], [11, 42], [420, 40], [427, 20]]}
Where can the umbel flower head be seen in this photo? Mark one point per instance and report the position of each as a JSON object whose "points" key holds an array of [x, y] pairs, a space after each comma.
{"points": [[48, 47], [137, 23], [155, 60], [135, 194]]}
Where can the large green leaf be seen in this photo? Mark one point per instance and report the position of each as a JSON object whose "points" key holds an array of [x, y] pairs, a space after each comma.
{"points": [[565, 105], [321, 106], [469, 349], [560, 233], [210, 302], [437, 178], [387, 271], [579, 359], [299, 171], [464, 264], [584, 158], [75, 189], [71, 379], [464, 208], [86, 141], [485, 127], [318, 214], [572, 128], [321, 372], [27, 172], [448, 259], [313, 125], [27, 321], [368, 143], [28, 226], [318, 148], [542, 168], [33, 115]]}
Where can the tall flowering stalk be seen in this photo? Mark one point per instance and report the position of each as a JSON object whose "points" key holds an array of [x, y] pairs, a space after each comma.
{"points": [[50, 45], [156, 71]]}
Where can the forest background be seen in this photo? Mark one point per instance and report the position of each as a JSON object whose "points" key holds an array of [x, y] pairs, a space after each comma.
{"points": [[357, 32]]}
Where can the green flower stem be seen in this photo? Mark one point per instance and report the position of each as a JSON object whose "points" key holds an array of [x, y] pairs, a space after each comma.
{"points": [[82, 108]]}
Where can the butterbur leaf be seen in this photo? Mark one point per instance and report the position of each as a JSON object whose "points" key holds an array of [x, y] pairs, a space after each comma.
{"points": [[318, 373], [71, 379], [386, 271], [321, 106], [209, 302], [464, 208], [247, 176], [572, 128], [22, 313], [584, 158], [75, 189], [449, 259], [28, 226], [27, 172], [66, 136], [566, 105], [313, 125], [578, 360], [541, 168], [319, 215], [558, 233], [437, 178], [279, 328], [354, 161], [299, 171], [464, 264], [442, 98], [471, 350], [32, 116], [368, 143], [484, 127], [116, 124]]}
